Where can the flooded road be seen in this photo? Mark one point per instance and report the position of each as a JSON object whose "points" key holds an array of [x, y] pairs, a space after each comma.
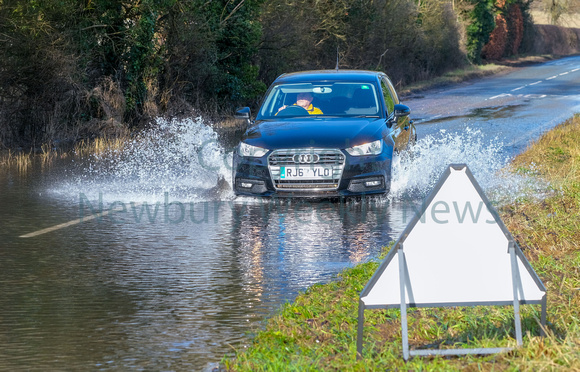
{"points": [[177, 272], [166, 289]]}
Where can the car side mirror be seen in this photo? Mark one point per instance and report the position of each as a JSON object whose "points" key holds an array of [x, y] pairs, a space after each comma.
{"points": [[401, 110], [243, 113]]}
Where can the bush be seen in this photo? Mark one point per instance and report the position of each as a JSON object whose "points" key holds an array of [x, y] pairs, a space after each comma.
{"points": [[480, 18], [71, 69], [61, 59], [39, 96], [507, 36], [407, 41], [515, 24], [495, 48], [557, 40]]}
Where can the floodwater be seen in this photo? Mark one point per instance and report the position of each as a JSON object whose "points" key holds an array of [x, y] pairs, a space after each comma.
{"points": [[177, 272]]}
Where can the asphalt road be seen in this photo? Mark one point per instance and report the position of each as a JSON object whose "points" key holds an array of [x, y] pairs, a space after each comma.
{"points": [[515, 107]]}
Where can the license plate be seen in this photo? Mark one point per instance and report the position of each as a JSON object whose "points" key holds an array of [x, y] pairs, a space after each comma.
{"points": [[305, 173]]}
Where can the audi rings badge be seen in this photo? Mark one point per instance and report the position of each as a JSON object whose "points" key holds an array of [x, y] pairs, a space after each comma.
{"points": [[306, 158]]}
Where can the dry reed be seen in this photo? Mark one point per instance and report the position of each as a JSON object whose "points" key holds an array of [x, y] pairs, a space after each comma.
{"points": [[23, 160], [98, 146]]}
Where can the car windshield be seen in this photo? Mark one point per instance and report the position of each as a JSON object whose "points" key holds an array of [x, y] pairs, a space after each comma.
{"points": [[339, 98]]}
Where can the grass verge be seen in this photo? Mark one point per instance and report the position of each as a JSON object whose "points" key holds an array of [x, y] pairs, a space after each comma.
{"points": [[318, 330]]}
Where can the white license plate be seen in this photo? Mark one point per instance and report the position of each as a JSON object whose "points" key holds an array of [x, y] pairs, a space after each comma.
{"points": [[306, 173]]}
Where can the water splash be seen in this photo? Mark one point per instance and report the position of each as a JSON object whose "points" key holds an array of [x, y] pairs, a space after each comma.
{"points": [[416, 172], [182, 158]]}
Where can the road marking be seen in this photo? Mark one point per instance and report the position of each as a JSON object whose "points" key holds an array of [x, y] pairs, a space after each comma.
{"points": [[522, 87], [564, 73], [535, 96], [576, 69], [63, 225], [500, 95], [552, 77], [537, 82], [70, 223]]}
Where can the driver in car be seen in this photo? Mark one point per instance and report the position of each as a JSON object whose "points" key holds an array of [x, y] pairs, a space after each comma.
{"points": [[304, 100]]}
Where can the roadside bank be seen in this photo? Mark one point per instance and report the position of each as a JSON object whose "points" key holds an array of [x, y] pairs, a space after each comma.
{"points": [[318, 330]]}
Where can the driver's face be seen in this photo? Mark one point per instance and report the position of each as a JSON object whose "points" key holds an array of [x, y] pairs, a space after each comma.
{"points": [[304, 100]]}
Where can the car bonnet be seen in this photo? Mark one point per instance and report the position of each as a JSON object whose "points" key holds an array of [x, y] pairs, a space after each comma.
{"points": [[314, 132]]}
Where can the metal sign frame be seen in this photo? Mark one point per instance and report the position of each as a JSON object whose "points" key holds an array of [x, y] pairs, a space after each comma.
{"points": [[406, 294]]}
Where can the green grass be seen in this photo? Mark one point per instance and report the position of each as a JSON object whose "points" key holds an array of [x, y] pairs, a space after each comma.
{"points": [[317, 331]]}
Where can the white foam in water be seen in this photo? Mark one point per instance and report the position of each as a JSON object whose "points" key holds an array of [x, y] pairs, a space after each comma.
{"points": [[179, 158], [418, 171]]}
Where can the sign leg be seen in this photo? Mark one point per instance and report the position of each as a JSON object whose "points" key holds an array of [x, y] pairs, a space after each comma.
{"points": [[516, 283], [404, 328], [543, 319], [359, 335]]}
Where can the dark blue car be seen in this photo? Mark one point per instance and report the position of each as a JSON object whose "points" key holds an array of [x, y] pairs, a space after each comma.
{"points": [[325, 133]]}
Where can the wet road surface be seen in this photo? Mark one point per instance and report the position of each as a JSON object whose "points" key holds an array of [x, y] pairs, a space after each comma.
{"points": [[513, 107]]}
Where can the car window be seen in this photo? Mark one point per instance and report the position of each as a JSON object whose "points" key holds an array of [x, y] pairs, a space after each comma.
{"points": [[388, 95], [338, 98]]}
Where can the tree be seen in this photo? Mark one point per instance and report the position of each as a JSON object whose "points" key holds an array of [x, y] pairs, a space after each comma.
{"points": [[480, 16]]}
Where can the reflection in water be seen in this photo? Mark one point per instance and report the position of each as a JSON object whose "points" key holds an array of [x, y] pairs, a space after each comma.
{"points": [[287, 245]]}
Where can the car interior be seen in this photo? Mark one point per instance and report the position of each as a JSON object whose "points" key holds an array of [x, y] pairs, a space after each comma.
{"points": [[342, 99]]}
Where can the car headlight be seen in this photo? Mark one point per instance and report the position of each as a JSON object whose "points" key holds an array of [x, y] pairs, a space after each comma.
{"points": [[251, 151], [371, 148]]}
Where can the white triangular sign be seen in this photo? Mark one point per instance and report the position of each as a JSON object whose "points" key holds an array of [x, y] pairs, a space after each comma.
{"points": [[455, 252]]}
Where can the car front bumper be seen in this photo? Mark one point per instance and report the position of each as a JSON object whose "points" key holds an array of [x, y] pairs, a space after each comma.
{"points": [[359, 175]]}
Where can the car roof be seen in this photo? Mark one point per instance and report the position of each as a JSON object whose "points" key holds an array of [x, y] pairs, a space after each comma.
{"points": [[326, 75]]}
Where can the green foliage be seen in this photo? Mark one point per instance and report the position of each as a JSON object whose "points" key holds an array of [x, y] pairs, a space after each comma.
{"points": [[408, 40], [527, 44], [75, 69], [210, 53], [36, 69], [126, 61], [481, 23], [85, 68]]}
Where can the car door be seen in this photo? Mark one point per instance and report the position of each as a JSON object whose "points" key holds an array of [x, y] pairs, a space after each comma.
{"points": [[400, 130]]}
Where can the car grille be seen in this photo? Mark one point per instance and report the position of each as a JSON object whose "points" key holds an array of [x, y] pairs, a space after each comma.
{"points": [[332, 159]]}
